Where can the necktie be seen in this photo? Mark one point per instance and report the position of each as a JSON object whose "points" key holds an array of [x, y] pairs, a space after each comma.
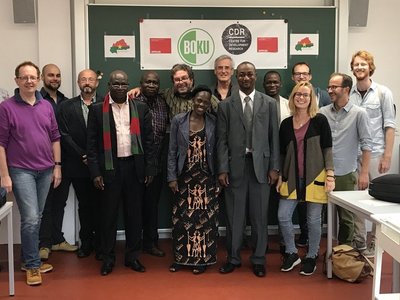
{"points": [[248, 117]]}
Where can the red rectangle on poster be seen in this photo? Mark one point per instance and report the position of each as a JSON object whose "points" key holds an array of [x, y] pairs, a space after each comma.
{"points": [[160, 45], [267, 44]]}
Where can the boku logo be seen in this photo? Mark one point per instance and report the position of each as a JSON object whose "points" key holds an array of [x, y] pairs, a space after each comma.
{"points": [[196, 47]]}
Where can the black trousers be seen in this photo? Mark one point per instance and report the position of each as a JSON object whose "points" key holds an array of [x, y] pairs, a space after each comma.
{"points": [[124, 188]]}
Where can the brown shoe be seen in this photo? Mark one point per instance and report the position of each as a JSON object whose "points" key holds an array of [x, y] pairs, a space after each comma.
{"points": [[64, 246], [44, 253], [44, 268], [33, 277]]}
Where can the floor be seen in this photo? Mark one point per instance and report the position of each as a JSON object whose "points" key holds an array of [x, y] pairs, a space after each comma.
{"points": [[74, 278]]}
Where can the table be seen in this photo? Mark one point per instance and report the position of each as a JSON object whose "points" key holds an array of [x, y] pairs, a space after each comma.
{"points": [[388, 240], [6, 211], [364, 205]]}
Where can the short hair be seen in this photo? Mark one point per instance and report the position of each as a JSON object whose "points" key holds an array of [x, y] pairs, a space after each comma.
{"points": [[200, 88], [24, 64], [347, 81], [368, 57], [299, 64], [222, 57], [272, 72], [147, 73], [181, 67], [313, 107]]}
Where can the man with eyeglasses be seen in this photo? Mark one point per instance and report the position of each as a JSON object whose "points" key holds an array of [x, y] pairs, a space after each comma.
{"points": [[72, 118], [350, 131], [121, 160], [30, 159], [377, 99], [51, 235], [301, 72]]}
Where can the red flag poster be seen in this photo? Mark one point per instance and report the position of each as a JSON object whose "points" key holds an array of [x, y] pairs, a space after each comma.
{"points": [[267, 44], [160, 45]]}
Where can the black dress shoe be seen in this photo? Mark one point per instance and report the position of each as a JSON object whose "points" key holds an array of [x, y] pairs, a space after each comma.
{"points": [[154, 251], [106, 268], [228, 268], [259, 270], [83, 252], [136, 266]]}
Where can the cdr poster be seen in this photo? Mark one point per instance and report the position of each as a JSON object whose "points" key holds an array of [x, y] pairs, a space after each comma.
{"points": [[164, 43]]}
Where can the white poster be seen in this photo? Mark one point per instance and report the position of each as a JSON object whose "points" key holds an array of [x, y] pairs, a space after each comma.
{"points": [[304, 44], [119, 46], [197, 43]]}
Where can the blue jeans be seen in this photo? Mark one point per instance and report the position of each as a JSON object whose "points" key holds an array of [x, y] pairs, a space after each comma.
{"points": [[285, 213], [30, 189]]}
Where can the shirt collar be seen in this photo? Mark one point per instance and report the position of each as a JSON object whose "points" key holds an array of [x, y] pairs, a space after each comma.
{"points": [[112, 101], [243, 95], [18, 97]]}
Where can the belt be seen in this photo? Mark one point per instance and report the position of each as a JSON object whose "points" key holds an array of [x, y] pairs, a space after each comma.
{"points": [[248, 155], [125, 158]]}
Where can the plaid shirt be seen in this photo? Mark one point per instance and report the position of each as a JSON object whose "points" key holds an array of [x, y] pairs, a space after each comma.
{"points": [[159, 112]]}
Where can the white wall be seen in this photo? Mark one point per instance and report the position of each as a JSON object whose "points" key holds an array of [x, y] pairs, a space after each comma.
{"points": [[49, 40]]}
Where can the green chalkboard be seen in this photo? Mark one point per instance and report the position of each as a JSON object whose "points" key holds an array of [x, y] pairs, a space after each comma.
{"points": [[124, 20]]}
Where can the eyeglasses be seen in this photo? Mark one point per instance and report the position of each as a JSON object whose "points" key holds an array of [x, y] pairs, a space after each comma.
{"points": [[184, 78], [84, 79], [120, 86], [298, 74], [27, 78], [299, 95], [333, 87]]}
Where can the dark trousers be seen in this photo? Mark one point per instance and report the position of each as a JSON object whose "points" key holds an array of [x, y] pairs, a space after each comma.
{"points": [[53, 215], [126, 188]]}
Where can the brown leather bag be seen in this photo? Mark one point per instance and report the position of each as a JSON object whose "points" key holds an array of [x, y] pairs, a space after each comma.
{"points": [[350, 265]]}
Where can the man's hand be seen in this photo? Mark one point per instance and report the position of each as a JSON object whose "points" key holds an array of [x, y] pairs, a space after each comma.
{"points": [[56, 176], [384, 164], [133, 93], [98, 182], [173, 185], [6, 183], [223, 179], [273, 176], [363, 181], [148, 180]]}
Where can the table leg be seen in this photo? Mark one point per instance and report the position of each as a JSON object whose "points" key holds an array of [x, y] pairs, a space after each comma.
{"points": [[376, 285], [329, 240], [396, 277], [10, 253]]}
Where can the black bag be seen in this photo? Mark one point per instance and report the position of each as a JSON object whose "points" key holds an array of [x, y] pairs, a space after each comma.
{"points": [[386, 188]]}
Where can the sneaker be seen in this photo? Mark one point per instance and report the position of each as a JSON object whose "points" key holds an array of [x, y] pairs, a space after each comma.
{"points": [[44, 253], [370, 251], [290, 261], [308, 266], [33, 277], [64, 246], [44, 268]]}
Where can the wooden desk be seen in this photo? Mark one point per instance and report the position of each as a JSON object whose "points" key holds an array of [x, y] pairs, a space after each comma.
{"points": [[6, 211], [364, 205], [388, 240]]}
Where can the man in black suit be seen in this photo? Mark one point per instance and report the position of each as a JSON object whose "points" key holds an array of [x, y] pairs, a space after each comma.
{"points": [[121, 161], [72, 119], [248, 163]]}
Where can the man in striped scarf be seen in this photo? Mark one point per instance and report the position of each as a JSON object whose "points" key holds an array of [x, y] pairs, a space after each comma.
{"points": [[121, 162]]}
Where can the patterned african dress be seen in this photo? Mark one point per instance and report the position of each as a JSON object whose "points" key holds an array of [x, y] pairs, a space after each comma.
{"points": [[195, 208]]}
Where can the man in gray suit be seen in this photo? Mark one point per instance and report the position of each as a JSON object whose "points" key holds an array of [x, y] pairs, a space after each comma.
{"points": [[248, 163]]}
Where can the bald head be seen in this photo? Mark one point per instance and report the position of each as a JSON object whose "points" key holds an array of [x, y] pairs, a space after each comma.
{"points": [[51, 77], [118, 86], [88, 83]]}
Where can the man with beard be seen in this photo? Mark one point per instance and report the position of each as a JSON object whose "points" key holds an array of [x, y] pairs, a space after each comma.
{"points": [[51, 236], [121, 162], [72, 118], [150, 85], [377, 99]]}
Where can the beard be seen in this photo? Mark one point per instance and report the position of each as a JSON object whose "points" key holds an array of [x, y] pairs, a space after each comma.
{"points": [[52, 86], [87, 90]]}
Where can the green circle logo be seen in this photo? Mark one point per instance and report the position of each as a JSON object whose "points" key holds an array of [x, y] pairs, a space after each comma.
{"points": [[196, 47]]}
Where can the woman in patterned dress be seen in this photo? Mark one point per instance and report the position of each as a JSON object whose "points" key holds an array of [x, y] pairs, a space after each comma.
{"points": [[191, 178]]}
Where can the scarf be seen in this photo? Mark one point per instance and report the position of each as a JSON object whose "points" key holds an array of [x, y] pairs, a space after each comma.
{"points": [[136, 142]]}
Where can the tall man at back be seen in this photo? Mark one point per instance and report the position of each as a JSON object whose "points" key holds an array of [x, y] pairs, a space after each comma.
{"points": [[223, 70], [248, 163], [377, 99]]}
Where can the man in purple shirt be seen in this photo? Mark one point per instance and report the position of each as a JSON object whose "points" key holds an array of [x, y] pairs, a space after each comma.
{"points": [[30, 159]]}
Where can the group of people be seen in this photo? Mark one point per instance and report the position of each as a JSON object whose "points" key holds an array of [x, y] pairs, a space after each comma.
{"points": [[229, 144]]}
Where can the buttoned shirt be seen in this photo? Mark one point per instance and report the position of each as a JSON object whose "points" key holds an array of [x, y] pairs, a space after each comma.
{"points": [[378, 102], [85, 107], [349, 126], [122, 127]]}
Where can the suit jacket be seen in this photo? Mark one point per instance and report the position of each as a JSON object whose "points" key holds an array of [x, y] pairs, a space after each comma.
{"points": [[231, 133], [144, 163], [179, 142], [73, 137]]}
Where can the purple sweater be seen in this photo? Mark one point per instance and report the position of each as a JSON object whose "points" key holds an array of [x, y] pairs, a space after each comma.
{"points": [[27, 133]]}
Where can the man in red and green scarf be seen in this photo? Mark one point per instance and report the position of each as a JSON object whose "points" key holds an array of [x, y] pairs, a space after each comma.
{"points": [[121, 161]]}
